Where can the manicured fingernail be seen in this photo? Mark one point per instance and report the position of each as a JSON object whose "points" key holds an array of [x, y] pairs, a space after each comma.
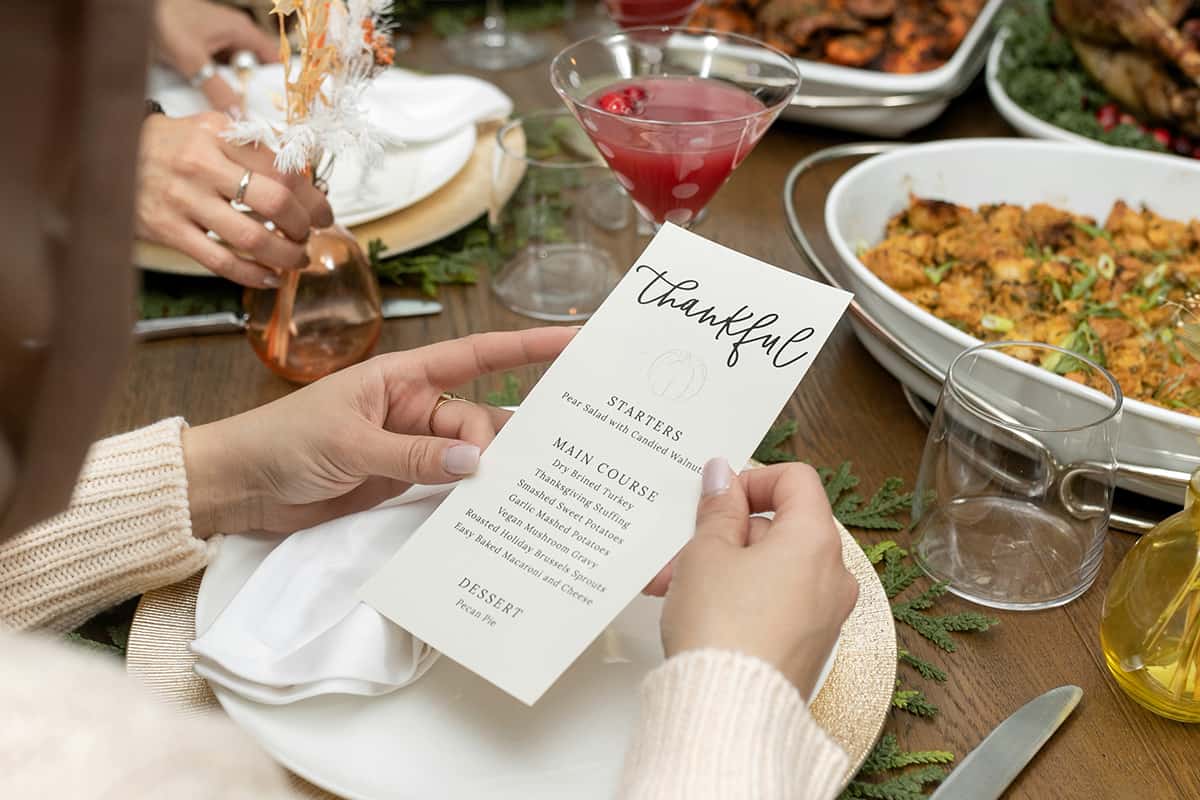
{"points": [[271, 282], [716, 477], [462, 459]]}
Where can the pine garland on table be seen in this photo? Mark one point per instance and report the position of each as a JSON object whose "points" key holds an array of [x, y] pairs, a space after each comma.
{"points": [[889, 772]]}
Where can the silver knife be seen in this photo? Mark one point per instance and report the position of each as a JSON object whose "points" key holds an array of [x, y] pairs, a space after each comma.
{"points": [[230, 322], [988, 769]]}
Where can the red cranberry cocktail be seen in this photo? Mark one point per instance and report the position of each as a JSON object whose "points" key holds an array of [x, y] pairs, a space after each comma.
{"points": [[673, 112]]}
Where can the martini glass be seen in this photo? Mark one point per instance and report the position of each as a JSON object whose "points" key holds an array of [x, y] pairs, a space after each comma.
{"points": [[673, 112]]}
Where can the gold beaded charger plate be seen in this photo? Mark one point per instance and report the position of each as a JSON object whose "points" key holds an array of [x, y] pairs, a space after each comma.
{"points": [[356, 747], [458, 203]]}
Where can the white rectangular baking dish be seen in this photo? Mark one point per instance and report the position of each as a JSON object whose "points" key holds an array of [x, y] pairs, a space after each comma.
{"points": [[925, 94], [972, 172]]}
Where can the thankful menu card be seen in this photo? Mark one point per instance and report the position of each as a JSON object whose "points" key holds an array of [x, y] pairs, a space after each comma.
{"points": [[592, 486]]}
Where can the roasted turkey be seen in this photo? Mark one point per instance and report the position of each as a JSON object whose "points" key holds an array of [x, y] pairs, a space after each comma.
{"points": [[1143, 52]]}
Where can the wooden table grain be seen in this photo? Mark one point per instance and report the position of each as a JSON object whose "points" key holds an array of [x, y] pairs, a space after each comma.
{"points": [[848, 408]]}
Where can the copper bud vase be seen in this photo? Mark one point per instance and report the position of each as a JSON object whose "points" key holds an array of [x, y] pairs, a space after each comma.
{"points": [[323, 317]]}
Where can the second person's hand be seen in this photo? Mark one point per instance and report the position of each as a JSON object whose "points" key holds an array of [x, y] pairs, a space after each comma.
{"points": [[187, 174], [190, 33]]}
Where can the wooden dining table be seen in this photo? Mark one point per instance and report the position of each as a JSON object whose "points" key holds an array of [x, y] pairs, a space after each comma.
{"points": [[848, 408]]}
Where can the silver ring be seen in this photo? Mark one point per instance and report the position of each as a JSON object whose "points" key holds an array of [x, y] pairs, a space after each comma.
{"points": [[209, 70], [239, 199]]}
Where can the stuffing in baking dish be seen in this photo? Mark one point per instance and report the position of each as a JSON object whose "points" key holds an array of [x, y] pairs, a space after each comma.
{"points": [[1124, 295]]}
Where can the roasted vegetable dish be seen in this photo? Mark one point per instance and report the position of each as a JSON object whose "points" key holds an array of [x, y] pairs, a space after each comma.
{"points": [[1123, 295], [900, 36]]}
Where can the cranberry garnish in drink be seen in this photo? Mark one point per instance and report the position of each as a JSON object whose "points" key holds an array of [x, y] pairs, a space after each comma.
{"points": [[653, 135]]}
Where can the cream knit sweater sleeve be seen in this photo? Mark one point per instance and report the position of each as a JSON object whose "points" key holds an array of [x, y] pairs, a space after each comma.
{"points": [[717, 724], [713, 724], [127, 531]]}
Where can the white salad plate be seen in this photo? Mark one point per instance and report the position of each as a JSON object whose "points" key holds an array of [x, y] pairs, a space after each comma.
{"points": [[405, 176], [451, 734], [942, 84], [972, 172]]}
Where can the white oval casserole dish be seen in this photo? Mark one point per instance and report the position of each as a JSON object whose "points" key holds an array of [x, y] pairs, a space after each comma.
{"points": [[1081, 178]]}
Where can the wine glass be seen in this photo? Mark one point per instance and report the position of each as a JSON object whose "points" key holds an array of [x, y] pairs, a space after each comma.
{"points": [[494, 47], [673, 112], [640, 13]]}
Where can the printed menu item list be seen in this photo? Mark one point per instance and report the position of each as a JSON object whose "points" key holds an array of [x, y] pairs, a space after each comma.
{"points": [[592, 486]]}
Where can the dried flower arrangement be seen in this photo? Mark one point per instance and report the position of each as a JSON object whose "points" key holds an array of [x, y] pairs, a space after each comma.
{"points": [[343, 45]]}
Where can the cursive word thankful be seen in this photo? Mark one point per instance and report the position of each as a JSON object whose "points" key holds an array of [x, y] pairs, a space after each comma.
{"points": [[744, 326]]}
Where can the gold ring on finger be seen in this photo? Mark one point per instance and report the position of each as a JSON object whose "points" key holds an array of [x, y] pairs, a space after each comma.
{"points": [[445, 397]]}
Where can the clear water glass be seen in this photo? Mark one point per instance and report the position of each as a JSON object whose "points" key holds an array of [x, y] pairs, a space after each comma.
{"points": [[1015, 486], [563, 230]]}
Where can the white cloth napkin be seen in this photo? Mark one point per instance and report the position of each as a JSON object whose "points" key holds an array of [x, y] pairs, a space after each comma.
{"points": [[295, 629], [409, 107], [426, 108]]}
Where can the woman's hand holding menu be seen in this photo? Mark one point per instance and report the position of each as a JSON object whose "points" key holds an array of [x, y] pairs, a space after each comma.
{"points": [[772, 588], [355, 438]]}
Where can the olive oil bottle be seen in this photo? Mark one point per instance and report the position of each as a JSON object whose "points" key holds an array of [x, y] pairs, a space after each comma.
{"points": [[1150, 627]]}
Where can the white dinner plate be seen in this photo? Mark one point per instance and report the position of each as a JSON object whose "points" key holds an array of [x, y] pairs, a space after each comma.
{"points": [[452, 734], [404, 176], [1084, 179]]}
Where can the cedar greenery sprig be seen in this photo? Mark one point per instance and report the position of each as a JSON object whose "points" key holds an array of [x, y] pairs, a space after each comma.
{"points": [[928, 671], [768, 450], [913, 701], [908, 785], [888, 755], [937, 629], [880, 512], [886, 758], [509, 394], [898, 574], [453, 260]]}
